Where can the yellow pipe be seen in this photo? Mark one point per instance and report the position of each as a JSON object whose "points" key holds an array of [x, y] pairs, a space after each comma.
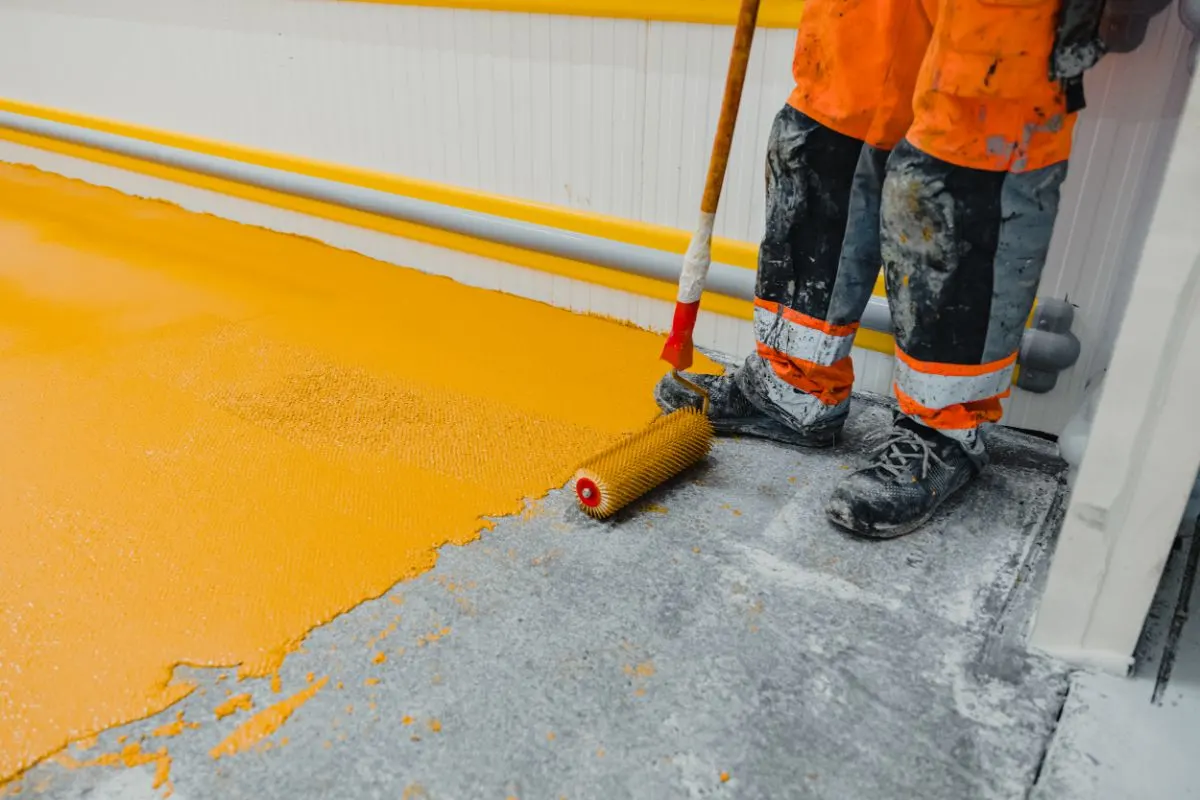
{"points": [[774, 13]]}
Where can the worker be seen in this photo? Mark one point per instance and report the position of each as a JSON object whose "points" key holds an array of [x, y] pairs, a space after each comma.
{"points": [[929, 137]]}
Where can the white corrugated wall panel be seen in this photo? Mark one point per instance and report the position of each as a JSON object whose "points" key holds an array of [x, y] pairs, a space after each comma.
{"points": [[1121, 148], [610, 116]]}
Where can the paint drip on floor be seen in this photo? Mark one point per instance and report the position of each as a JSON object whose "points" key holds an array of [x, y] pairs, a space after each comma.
{"points": [[234, 704], [132, 755], [217, 437], [265, 722]]}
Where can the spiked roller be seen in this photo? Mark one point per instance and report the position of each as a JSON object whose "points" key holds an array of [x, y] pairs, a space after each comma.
{"points": [[623, 473], [613, 479]]}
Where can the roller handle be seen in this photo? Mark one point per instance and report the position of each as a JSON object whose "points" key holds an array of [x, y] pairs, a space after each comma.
{"points": [[678, 350]]}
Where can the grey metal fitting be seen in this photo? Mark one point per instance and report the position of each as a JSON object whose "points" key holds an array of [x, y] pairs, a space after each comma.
{"points": [[1048, 347], [1189, 12], [1126, 22]]}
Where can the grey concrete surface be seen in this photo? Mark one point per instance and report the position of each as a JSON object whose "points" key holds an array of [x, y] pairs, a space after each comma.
{"points": [[719, 640], [1113, 741]]}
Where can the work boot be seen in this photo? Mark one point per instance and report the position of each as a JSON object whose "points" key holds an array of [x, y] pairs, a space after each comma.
{"points": [[913, 472], [732, 414], [787, 405]]}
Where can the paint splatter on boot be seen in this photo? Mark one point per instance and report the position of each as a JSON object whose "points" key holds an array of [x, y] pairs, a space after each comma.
{"points": [[732, 413], [914, 470]]}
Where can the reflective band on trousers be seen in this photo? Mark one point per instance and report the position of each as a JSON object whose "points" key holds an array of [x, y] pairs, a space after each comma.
{"points": [[804, 408], [940, 385], [785, 332]]}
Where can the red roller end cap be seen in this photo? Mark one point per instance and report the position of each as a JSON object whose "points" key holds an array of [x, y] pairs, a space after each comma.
{"points": [[588, 492]]}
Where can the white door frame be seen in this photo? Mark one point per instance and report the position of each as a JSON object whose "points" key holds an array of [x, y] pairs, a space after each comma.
{"points": [[1144, 449]]}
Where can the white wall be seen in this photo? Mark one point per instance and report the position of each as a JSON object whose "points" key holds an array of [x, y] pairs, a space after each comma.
{"points": [[1139, 468], [611, 116], [1121, 148]]}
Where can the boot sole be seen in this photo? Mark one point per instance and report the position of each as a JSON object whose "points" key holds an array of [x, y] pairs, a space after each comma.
{"points": [[850, 525], [847, 522]]}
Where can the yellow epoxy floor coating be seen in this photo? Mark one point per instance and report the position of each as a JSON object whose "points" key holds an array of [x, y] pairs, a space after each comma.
{"points": [[217, 437]]}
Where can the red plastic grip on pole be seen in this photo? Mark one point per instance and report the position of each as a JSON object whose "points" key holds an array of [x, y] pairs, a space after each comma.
{"points": [[678, 350]]}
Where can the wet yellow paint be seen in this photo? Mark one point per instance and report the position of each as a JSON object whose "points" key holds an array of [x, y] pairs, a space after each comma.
{"points": [[216, 437], [131, 755], [643, 670], [174, 728], [429, 638], [236, 703], [264, 723], [386, 632]]}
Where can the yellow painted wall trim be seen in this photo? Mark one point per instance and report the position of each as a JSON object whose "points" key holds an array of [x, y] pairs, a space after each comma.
{"points": [[772, 14], [567, 268], [660, 237], [726, 251]]}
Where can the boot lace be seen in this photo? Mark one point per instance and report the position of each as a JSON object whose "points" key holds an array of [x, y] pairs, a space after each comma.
{"points": [[898, 449]]}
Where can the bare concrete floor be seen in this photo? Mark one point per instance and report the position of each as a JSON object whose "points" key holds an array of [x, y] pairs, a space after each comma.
{"points": [[720, 640], [1135, 738]]}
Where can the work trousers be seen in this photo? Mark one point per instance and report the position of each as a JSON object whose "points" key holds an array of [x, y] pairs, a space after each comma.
{"points": [[924, 137]]}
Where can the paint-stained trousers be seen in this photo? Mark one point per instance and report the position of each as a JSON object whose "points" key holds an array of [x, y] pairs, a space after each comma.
{"points": [[926, 137]]}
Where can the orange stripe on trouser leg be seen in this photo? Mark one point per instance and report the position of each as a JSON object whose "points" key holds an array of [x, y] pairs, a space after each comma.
{"points": [[791, 315], [942, 385], [856, 65], [952, 396], [955, 370], [831, 385], [957, 417], [984, 98]]}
